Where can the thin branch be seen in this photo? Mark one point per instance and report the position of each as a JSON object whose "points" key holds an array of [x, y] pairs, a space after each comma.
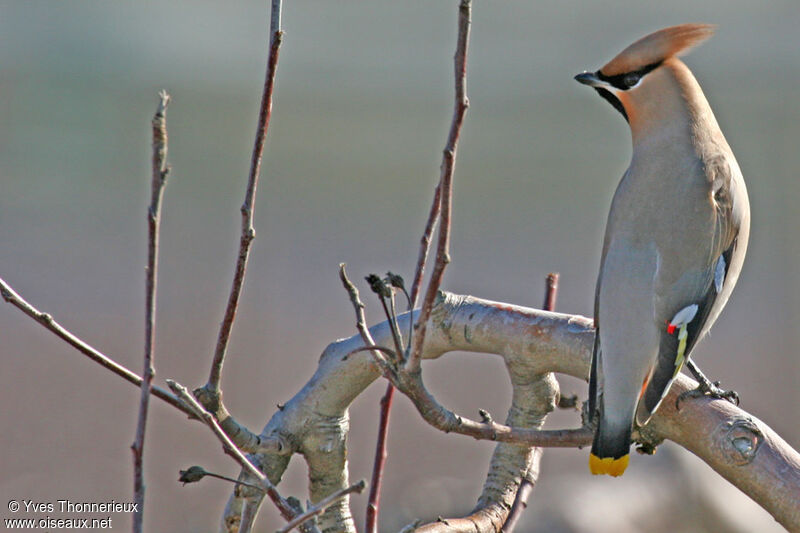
{"points": [[397, 336], [425, 244], [445, 420], [526, 483], [46, 320], [273, 444], [314, 510], [196, 473], [285, 508], [551, 291], [446, 181], [379, 463], [159, 181], [248, 207], [385, 291], [377, 352], [520, 505], [358, 306]]}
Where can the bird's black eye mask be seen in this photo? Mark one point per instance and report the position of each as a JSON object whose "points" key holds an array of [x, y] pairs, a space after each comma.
{"points": [[626, 80], [623, 82], [613, 100]]}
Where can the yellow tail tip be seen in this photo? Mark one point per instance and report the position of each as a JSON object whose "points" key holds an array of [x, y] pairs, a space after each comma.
{"points": [[608, 465]]}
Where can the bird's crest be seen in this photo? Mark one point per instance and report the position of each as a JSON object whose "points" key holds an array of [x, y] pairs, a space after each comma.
{"points": [[658, 46]]}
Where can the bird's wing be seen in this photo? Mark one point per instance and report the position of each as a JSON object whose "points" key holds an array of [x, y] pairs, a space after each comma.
{"points": [[595, 387], [685, 324]]}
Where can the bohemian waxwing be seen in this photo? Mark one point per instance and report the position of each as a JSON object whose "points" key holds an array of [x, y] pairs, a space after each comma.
{"points": [[675, 238]]}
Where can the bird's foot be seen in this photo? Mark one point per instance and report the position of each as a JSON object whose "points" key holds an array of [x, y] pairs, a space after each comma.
{"points": [[708, 389]]}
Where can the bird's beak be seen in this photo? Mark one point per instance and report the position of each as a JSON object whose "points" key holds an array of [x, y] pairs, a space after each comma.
{"points": [[590, 79]]}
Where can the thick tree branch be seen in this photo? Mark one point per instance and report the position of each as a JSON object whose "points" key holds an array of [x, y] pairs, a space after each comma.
{"points": [[248, 207], [528, 479], [738, 446], [741, 448], [158, 182], [534, 396], [536, 342]]}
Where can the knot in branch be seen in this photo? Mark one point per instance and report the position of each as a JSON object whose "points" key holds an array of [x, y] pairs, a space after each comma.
{"points": [[739, 440]]}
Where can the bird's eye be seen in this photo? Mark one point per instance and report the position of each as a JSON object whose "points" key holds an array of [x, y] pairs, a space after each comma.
{"points": [[631, 79]]}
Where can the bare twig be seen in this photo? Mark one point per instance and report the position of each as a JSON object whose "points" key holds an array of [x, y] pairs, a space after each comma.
{"points": [[379, 352], [391, 314], [285, 508], [526, 483], [445, 420], [46, 320], [381, 355], [551, 291], [314, 510], [358, 306], [384, 291], [195, 473], [446, 182], [273, 444], [159, 180], [248, 231], [425, 244], [379, 463], [520, 504]]}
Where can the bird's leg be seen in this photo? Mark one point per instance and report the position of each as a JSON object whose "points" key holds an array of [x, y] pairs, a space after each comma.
{"points": [[706, 388]]}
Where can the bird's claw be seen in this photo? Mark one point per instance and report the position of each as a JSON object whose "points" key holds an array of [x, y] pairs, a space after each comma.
{"points": [[711, 390]]}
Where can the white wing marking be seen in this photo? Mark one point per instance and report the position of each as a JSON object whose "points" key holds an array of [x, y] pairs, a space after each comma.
{"points": [[719, 274]]}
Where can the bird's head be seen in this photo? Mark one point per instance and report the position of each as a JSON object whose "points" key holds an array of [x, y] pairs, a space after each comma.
{"points": [[635, 77]]}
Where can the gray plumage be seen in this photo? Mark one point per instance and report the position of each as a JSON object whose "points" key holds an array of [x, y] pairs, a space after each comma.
{"points": [[675, 238]]}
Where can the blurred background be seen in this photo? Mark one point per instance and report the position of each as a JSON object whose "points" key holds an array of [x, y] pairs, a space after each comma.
{"points": [[362, 107]]}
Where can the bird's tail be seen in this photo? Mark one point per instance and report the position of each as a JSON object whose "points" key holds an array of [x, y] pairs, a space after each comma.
{"points": [[610, 449]]}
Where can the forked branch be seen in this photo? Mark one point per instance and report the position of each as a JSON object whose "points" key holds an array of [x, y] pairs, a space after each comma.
{"points": [[286, 509], [444, 191]]}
